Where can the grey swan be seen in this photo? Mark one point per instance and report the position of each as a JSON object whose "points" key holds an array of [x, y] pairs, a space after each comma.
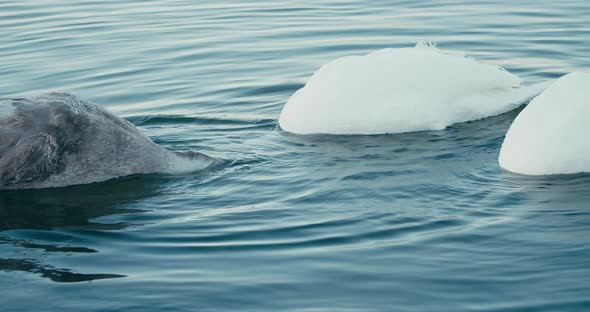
{"points": [[58, 139]]}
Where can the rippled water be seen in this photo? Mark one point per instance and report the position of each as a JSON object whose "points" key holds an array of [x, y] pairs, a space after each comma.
{"points": [[413, 222]]}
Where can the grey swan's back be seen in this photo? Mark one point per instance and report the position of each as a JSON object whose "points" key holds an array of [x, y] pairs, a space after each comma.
{"points": [[58, 139]]}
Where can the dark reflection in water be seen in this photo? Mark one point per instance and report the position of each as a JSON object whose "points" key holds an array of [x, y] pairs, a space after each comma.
{"points": [[47, 271], [45, 247], [74, 207]]}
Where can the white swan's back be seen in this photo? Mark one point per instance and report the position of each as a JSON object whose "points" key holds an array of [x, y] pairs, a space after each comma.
{"points": [[550, 136], [401, 90]]}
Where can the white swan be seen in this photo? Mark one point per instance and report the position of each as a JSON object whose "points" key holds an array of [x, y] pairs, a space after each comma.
{"points": [[401, 90], [550, 136]]}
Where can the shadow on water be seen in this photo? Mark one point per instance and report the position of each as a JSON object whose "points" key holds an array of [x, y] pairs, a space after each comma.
{"points": [[74, 207], [47, 271]]}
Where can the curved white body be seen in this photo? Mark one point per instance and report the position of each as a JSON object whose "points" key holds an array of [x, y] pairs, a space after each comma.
{"points": [[550, 136], [401, 90]]}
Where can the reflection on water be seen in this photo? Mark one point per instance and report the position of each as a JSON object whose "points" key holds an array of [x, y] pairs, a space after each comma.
{"points": [[72, 207], [47, 271], [45, 247], [75, 207]]}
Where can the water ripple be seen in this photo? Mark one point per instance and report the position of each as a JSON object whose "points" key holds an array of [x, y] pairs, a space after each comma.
{"points": [[418, 221]]}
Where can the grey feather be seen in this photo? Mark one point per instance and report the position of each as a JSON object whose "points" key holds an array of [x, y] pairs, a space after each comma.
{"points": [[58, 139]]}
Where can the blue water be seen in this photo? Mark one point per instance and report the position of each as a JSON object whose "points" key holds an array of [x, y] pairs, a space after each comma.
{"points": [[412, 222]]}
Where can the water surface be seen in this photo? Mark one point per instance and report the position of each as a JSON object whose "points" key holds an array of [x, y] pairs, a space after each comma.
{"points": [[411, 222]]}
